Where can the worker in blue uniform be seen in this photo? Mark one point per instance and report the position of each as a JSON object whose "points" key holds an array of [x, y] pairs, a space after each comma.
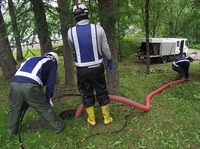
{"points": [[90, 45], [26, 89], [181, 66]]}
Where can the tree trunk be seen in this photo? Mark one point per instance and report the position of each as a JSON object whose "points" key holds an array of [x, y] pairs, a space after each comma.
{"points": [[107, 7], [15, 30], [67, 52], [42, 26], [147, 35], [76, 2], [7, 61], [43, 34]]}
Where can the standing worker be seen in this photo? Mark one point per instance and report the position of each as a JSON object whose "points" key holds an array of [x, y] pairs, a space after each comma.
{"points": [[90, 45], [182, 65], [26, 89]]}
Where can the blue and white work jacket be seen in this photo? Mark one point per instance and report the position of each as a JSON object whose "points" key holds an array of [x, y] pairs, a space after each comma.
{"points": [[89, 43], [38, 70]]}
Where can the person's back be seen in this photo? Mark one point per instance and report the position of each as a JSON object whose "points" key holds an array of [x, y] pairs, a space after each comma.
{"points": [[84, 48], [182, 63], [35, 70]]}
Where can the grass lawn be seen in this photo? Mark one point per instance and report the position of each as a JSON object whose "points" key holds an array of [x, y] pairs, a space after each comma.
{"points": [[171, 123]]}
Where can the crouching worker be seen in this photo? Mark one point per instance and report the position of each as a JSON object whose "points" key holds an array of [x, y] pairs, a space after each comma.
{"points": [[90, 45], [181, 66], [26, 89]]}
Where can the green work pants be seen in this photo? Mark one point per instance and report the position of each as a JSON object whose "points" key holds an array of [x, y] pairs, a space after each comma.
{"points": [[23, 95], [180, 72]]}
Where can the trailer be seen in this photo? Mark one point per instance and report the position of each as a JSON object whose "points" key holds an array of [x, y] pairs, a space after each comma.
{"points": [[162, 49]]}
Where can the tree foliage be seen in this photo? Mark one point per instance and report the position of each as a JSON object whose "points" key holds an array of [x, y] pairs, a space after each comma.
{"points": [[39, 19]]}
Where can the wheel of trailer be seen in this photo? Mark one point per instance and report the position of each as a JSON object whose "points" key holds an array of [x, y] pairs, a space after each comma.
{"points": [[164, 59]]}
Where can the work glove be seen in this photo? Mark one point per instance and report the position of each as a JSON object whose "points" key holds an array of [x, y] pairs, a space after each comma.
{"points": [[110, 66], [51, 103]]}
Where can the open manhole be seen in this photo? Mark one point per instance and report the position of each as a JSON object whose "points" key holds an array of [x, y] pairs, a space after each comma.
{"points": [[68, 113]]}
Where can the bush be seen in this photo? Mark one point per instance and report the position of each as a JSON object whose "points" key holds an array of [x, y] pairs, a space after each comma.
{"points": [[128, 46], [58, 48], [196, 46]]}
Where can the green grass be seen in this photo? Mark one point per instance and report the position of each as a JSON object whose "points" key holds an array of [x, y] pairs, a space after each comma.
{"points": [[171, 123]]}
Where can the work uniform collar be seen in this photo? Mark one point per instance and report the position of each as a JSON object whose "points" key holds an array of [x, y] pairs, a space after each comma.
{"points": [[83, 22]]}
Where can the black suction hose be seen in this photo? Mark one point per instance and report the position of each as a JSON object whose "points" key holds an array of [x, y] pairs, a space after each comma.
{"points": [[19, 137], [126, 121], [22, 116]]}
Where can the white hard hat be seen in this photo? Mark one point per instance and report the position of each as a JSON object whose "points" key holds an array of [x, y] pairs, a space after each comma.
{"points": [[55, 56], [193, 56], [80, 10]]}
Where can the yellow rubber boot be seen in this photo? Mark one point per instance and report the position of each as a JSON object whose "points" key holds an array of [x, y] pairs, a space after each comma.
{"points": [[91, 115], [106, 114]]}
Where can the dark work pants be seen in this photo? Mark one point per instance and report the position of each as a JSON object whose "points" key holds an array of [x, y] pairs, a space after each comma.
{"points": [[23, 95], [180, 72], [92, 81]]}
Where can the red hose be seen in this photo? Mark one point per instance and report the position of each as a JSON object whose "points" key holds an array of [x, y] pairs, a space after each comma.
{"points": [[131, 102]]}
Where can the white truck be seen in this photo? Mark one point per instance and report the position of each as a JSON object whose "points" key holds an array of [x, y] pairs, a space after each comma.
{"points": [[162, 49]]}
